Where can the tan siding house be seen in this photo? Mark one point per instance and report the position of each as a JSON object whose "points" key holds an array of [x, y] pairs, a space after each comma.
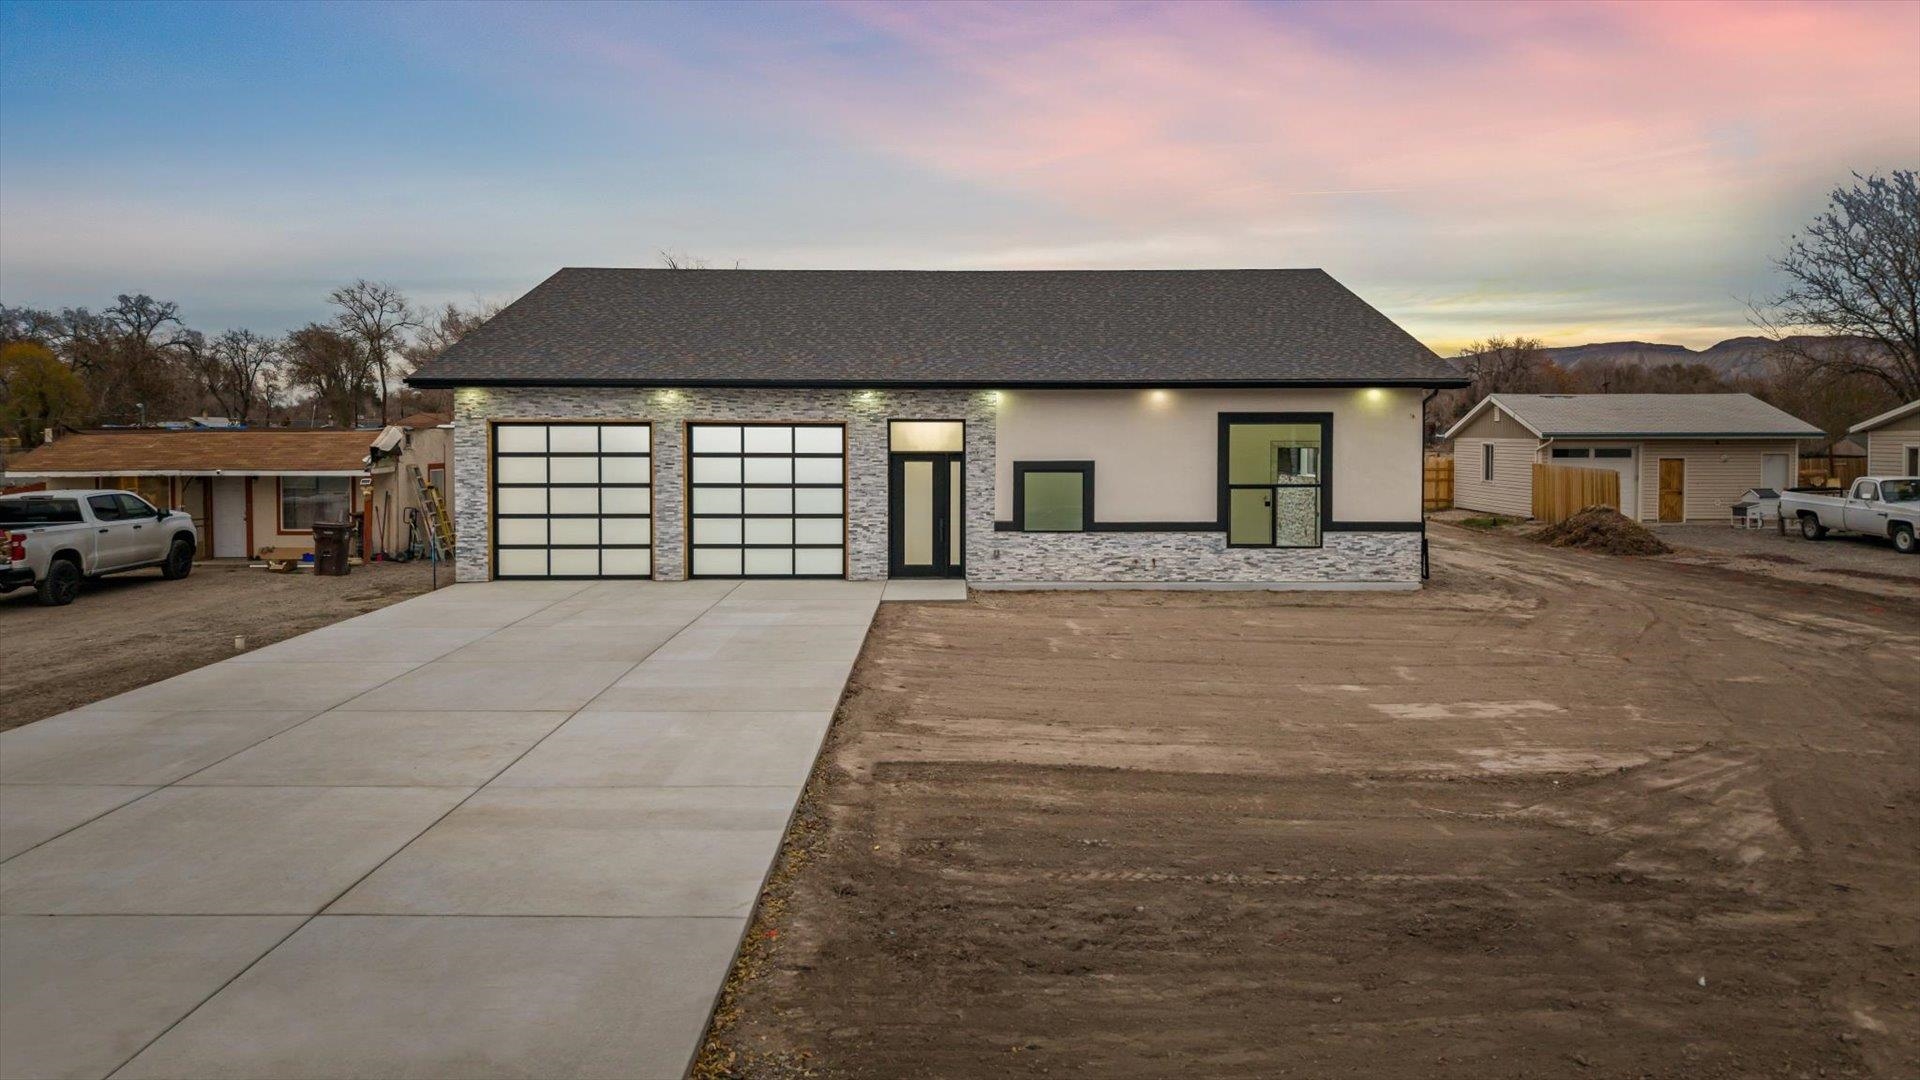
{"points": [[1702, 451], [1893, 441], [1713, 474]]}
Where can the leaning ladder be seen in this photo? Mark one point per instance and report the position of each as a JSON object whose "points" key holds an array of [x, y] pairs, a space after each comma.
{"points": [[437, 520]]}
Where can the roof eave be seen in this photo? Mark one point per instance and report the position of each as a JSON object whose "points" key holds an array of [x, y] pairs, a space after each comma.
{"points": [[451, 382], [1899, 412], [1811, 433]]}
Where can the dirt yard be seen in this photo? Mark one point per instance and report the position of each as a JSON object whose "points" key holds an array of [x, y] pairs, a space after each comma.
{"points": [[133, 629], [1559, 815]]}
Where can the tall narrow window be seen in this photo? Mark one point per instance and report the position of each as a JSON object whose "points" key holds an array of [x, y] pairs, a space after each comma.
{"points": [[1052, 496], [1486, 461], [1274, 478]]}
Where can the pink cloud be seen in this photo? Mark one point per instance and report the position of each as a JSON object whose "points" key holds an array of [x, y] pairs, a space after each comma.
{"points": [[1205, 109]]}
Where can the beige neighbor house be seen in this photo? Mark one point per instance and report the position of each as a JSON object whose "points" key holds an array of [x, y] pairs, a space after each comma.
{"points": [[251, 489], [1893, 441], [1681, 457], [1257, 428]]}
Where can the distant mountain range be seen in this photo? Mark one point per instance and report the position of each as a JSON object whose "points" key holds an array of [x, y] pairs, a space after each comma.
{"points": [[1734, 356]]}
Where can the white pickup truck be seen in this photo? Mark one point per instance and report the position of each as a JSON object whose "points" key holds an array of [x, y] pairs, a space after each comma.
{"points": [[56, 539], [1886, 506]]}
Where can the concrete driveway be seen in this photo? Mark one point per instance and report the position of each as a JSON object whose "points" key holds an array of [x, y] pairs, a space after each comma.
{"points": [[512, 829]]}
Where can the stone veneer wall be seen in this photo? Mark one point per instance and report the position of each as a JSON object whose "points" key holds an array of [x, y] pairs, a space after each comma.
{"points": [[992, 557], [865, 413], [1370, 557]]}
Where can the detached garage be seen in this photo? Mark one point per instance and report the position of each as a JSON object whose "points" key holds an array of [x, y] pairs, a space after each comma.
{"points": [[1681, 457]]}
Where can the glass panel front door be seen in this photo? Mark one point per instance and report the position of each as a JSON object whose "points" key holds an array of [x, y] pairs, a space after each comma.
{"points": [[925, 497]]}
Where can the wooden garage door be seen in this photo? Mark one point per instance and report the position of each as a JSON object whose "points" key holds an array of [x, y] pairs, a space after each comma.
{"points": [[767, 500], [572, 500]]}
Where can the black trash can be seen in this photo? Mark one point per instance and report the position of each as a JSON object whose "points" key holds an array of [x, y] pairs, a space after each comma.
{"points": [[331, 542]]}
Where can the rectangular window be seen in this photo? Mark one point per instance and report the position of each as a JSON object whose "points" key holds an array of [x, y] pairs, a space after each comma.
{"points": [[1274, 478], [1052, 496], [1614, 452], [1563, 452], [1486, 461], [307, 499], [1913, 461], [926, 436]]}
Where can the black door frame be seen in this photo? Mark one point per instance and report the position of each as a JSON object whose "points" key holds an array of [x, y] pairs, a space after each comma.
{"points": [[943, 473]]}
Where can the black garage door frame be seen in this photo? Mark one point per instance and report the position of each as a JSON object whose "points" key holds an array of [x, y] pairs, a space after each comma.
{"points": [[495, 458], [693, 515]]}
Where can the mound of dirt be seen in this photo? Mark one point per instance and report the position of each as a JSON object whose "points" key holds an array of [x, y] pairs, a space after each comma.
{"points": [[1604, 529]]}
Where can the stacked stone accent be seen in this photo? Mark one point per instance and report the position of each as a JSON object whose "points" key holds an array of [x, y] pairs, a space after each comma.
{"points": [[991, 557], [1144, 557]]}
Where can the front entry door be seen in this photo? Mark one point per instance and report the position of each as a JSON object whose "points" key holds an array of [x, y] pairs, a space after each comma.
{"points": [[924, 495], [1673, 489]]}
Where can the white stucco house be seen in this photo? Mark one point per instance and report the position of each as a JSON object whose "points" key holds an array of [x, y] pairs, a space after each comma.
{"points": [[1892, 441], [1017, 429], [1681, 457]]}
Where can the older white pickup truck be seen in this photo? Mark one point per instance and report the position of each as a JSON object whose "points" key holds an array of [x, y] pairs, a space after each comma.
{"points": [[1886, 506], [56, 539]]}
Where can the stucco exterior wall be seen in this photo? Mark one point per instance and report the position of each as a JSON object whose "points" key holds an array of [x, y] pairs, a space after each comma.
{"points": [[1511, 489], [1156, 452], [1887, 446], [1718, 472]]}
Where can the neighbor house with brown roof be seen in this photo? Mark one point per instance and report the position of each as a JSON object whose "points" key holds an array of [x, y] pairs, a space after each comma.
{"points": [[249, 489]]}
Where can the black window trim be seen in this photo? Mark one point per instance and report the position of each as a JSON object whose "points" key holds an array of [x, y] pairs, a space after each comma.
{"points": [[1020, 471], [1324, 485]]}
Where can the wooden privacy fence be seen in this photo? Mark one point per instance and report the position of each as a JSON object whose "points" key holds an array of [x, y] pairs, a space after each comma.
{"points": [[1560, 491], [1832, 470], [1437, 483]]}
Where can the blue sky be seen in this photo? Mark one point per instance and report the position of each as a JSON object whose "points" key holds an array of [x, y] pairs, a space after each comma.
{"points": [[1577, 172]]}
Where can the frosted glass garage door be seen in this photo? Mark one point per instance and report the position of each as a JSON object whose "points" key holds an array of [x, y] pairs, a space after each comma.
{"points": [[767, 500], [572, 500]]}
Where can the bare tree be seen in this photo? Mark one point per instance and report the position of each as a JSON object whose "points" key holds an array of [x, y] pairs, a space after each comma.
{"points": [[334, 366], [672, 260], [376, 315], [1501, 365], [1854, 275], [239, 372]]}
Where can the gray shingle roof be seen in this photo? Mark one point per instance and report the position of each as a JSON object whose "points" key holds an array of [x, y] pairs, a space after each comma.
{"points": [[1592, 415], [983, 328]]}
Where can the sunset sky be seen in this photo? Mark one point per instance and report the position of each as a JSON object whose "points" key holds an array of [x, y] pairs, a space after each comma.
{"points": [[1569, 171]]}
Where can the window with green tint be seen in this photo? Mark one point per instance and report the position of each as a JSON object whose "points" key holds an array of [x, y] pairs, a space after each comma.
{"points": [[1275, 478], [1273, 454], [1053, 501]]}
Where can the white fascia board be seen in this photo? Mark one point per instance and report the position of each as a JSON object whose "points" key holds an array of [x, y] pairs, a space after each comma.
{"points": [[1490, 399], [1897, 413]]}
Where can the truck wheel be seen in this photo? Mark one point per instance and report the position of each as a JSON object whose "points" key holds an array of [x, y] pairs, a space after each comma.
{"points": [[1811, 528], [61, 584], [179, 560], [1903, 541]]}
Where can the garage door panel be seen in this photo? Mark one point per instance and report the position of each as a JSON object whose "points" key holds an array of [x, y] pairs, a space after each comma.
{"points": [[819, 501], [813, 562], [753, 489], [768, 500], [572, 500]]}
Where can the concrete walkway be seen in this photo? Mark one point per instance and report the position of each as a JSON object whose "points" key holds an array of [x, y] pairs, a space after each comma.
{"points": [[511, 829]]}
